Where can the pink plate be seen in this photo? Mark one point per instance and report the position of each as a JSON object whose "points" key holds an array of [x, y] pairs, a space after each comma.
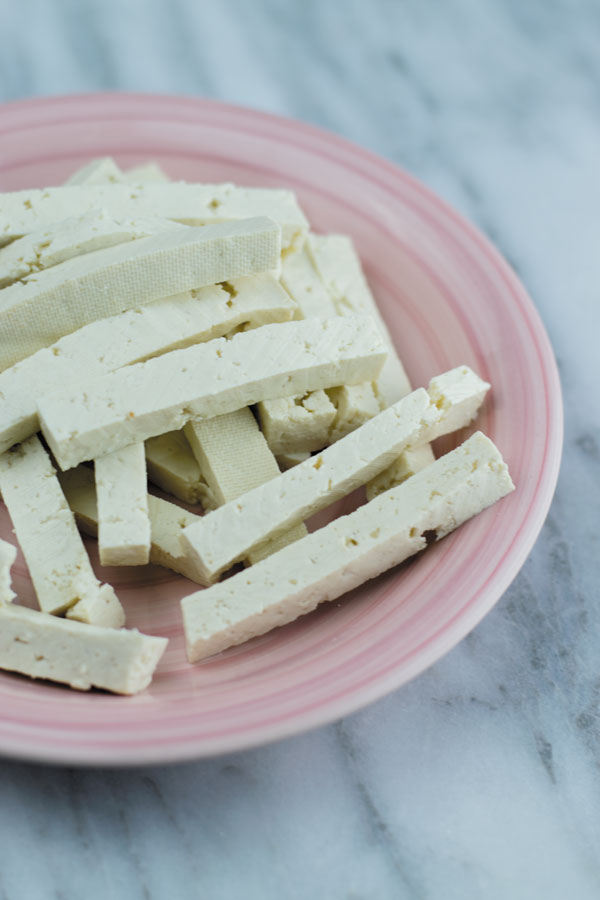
{"points": [[448, 298]]}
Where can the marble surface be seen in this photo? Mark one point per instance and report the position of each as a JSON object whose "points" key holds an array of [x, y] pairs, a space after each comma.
{"points": [[481, 778]]}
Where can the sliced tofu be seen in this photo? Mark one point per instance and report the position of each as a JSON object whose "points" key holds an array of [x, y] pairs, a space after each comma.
{"points": [[8, 554], [230, 533], [289, 460], [45, 528], [166, 521], [131, 337], [234, 458], [141, 401], [42, 646], [122, 492], [58, 301], [147, 173], [191, 204], [297, 424], [98, 171], [347, 552], [64, 240], [173, 467]]}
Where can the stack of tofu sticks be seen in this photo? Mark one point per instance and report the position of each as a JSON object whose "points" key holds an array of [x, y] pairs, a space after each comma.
{"points": [[200, 337]]}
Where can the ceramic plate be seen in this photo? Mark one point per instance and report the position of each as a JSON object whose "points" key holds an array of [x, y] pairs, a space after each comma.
{"points": [[448, 298]]}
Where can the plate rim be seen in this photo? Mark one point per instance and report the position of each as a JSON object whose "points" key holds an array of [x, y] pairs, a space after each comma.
{"points": [[438, 644]]}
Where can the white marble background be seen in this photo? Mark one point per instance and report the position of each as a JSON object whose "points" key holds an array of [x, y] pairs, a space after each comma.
{"points": [[481, 778]]}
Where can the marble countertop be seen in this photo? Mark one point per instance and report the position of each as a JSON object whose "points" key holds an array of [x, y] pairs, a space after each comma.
{"points": [[480, 779]]}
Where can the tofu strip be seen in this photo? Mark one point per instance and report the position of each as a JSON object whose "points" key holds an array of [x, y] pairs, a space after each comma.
{"points": [[228, 534], [192, 204], [141, 401], [39, 311], [83, 657], [122, 491], [98, 171], [131, 337], [234, 458], [73, 237], [173, 467], [45, 528], [8, 554], [166, 521], [347, 552]]}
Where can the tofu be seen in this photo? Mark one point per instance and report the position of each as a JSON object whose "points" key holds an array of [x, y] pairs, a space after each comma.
{"points": [[413, 460], [147, 173], [98, 171], [347, 552], [297, 424], [354, 405], [234, 458], [289, 460], [166, 521], [101, 607], [8, 554], [45, 528], [122, 492], [458, 394], [58, 301], [42, 646], [190, 204], [134, 336], [95, 230], [141, 401], [172, 467], [230, 533]]}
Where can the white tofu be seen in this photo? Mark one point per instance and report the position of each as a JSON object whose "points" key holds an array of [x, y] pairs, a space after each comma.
{"points": [[147, 173], [230, 533], [408, 464], [289, 460], [234, 458], [8, 554], [191, 204], [122, 492], [45, 528], [64, 240], [58, 301], [458, 394], [297, 424], [101, 607], [81, 656], [306, 286], [166, 521], [354, 404], [348, 551], [172, 467], [98, 171], [141, 401], [131, 337]]}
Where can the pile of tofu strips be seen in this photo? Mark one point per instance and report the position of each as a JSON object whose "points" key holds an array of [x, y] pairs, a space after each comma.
{"points": [[202, 338]]}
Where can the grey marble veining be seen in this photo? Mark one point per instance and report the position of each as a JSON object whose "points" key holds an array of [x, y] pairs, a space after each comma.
{"points": [[481, 778]]}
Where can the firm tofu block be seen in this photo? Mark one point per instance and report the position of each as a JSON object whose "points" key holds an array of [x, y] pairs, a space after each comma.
{"points": [[228, 534], [190, 204], [122, 491], [166, 521], [45, 529], [347, 552], [234, 458], [173, 467], [134, 336], [297, 424], [141, 401], [82, 656], [98, 171], [39, 311], [64, 240], [8, 554]]}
